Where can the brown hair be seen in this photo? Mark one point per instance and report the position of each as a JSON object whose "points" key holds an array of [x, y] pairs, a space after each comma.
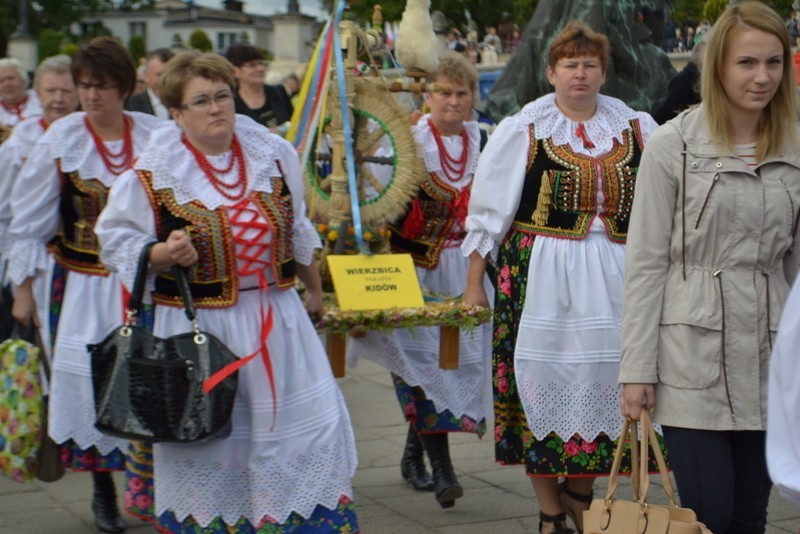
{"points": [[187, 65], [456, 67], [107, 61], [241, 53], [578, 39], [778, 119]]}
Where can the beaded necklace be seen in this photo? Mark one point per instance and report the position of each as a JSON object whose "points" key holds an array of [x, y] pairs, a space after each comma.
{"points": [[234, 191], [122, 160], [453, 168]]}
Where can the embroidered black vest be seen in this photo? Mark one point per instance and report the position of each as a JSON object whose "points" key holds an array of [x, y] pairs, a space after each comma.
{"points": [[559, 196], [213, 279], [436, 197], [75, 246]]}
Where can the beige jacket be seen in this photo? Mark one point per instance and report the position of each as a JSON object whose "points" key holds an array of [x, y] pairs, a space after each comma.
{"points": [[709, 264]]}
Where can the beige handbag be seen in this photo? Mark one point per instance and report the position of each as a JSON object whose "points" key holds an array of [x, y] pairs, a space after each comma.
{"points": [[619, 516]]}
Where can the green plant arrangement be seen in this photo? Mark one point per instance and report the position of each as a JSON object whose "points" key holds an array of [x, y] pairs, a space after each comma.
{"points": [[449, 312]]}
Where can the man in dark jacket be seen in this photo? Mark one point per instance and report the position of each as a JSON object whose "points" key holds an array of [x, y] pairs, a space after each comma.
{"points": [[684, 88], [148, 101]]}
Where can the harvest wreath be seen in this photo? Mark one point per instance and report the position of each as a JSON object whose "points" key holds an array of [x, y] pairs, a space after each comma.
{"points": [[450, 314]]}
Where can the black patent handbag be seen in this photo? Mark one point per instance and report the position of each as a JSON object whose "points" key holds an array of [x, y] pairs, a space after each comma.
{"points": [[177, 389]]}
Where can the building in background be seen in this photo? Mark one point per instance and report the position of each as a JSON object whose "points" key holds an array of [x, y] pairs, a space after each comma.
{"points": [[289, 36]]}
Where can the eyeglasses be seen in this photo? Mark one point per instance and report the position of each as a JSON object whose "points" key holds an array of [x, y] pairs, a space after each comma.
{"points": [[203, 103], [99, 86], [254, 64]]}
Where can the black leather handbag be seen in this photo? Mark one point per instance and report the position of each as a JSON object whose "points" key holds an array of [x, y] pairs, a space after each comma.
{"points": [[158, 390]]}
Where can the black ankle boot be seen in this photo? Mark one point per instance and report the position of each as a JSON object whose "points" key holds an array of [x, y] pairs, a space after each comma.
{"points": [[412, 466], [104, 504], [445, 484]]}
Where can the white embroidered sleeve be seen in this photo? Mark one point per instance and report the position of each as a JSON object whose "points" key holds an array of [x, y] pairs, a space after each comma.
{"points": [[304, 236], [497, 187], [34, 214], [124, 227]]}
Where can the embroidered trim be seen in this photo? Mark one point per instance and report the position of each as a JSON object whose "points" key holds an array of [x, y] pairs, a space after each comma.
{"points": [[75, 245], [214, 275], [440, 221], [570, 191]]}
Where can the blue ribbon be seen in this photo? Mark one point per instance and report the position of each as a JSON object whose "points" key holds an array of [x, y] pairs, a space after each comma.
{"points": [[348, 133]]}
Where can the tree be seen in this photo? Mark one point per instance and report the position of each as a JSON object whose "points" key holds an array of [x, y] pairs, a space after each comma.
{"points": [[50, 42], [712, 9], [46, 14], [137, 47], [200, 41]]}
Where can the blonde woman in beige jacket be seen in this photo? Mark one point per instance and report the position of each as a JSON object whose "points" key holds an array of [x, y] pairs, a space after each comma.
{"points": [[709, 265]]}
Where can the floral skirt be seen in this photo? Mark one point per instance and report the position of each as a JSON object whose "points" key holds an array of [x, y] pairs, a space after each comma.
{"points": [[514, 443], [73, 457], [322, 521], [421, 412]]}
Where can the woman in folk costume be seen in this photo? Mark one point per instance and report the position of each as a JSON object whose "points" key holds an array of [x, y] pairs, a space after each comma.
{"points": [[56, 91], [17, 102], [437, 402], [222, 196], [56, 199], [550, 205]]}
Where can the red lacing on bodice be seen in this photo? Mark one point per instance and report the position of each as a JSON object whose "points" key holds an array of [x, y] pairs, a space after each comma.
{"points": [[249, 254]]}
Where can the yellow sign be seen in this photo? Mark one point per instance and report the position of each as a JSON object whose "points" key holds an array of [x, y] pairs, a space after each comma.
{"points": [[375, 282]]}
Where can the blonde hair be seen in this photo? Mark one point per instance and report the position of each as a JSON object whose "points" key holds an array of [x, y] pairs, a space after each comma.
{"points": [[60, 64], [187, 65], [456, 67], [777, 122]]}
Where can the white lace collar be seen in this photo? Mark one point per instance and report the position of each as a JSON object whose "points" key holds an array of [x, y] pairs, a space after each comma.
{"points": [[31, 108], [72, 143], [612, 118], [174, 167], [429, 151]]}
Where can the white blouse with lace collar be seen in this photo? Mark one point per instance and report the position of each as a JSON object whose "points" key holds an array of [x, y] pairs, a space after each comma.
{"points": [[173, 167]]}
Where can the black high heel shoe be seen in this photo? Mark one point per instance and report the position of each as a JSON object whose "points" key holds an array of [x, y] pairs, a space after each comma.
{"points": [[559, 522], [574, 512]]}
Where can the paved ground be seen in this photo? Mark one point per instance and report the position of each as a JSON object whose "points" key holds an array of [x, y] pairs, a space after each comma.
{"points": [[497, 499]]}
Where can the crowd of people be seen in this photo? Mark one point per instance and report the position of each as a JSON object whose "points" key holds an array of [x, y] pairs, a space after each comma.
{"points": [[630, 267]]}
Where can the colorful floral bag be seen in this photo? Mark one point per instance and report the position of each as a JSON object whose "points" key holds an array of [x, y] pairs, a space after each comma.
{"points": [[22, 411]]}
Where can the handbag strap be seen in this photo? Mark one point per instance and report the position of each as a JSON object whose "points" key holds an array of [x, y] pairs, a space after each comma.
{"points": [[612, 478], [649, 438], [182, 281], [135, 300]]}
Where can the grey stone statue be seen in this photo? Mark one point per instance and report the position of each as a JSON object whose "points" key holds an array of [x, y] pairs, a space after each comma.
{"points": [[638, 72]]}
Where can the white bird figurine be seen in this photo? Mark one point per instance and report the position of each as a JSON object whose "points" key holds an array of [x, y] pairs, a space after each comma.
{"points": [[416, 44]]}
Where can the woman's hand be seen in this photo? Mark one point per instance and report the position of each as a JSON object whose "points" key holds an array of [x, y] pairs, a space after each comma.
{"points": [[636, 396], [475, 295], [24, 307], [180, 248], [313, 304], [309, 275]]}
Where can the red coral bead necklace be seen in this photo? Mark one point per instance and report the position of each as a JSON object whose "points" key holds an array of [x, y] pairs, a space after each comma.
{"points": [[453, 168], [234, 191], [119, 162]]}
